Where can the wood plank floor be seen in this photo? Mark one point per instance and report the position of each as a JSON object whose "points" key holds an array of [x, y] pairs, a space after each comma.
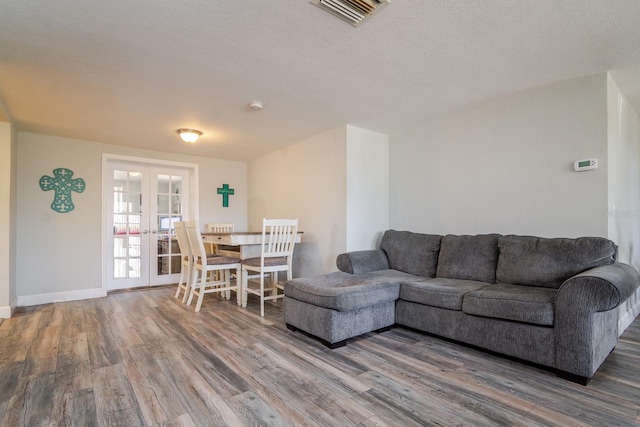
{"points": [[141, 358]]}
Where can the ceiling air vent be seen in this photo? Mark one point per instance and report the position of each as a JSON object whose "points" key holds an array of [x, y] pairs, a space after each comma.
{"points": [[352, 11]]}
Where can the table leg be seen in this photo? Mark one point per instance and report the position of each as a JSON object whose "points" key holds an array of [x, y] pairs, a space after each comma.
{"points": [[240, 290]]}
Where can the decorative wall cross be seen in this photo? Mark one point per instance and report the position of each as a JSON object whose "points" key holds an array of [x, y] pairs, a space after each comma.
{"points": [[226, 192], [63, 184]]}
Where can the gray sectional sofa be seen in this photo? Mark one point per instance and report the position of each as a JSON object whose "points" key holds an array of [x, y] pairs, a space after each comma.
{"points": [[552, 302]]}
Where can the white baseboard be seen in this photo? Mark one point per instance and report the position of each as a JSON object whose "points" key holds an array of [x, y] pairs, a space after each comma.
{"points": [[28, 300], [6, 311]]}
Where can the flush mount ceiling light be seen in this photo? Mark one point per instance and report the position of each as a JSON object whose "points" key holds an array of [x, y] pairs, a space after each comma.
{"points": [[189, 135], [352, 11], [256, 106]]}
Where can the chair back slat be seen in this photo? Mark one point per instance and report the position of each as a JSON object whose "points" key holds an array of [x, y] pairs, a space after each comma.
{"points": [[219, 227], [278, 237]]}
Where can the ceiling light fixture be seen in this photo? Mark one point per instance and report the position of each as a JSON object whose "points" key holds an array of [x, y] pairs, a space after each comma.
{"points": [[189, 135], [256, 106]]}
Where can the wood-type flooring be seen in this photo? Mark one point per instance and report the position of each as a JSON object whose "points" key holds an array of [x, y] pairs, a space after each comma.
{"points": [[141, 358]]}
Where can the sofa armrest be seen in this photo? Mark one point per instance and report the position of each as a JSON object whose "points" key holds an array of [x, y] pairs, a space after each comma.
{"points": [[363, 261], [598, 289], [586, 322]]}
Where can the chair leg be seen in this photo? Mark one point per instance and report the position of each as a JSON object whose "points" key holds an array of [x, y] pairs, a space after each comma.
{"points": [[245, 280], [181, 283], [239, 285], [193, 277], [274, 282], [203, 282], [227, 282], [262, 295], [192, 286]]}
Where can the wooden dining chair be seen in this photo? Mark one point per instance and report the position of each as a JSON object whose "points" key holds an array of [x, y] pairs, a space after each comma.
{"points": [[217, 227], [278, 241], [186, 260], [203, 283], [226, 227]]}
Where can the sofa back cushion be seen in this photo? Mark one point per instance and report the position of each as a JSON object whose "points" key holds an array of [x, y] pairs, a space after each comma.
{"points": [[536, 261], [412, 253], [469, 257]]}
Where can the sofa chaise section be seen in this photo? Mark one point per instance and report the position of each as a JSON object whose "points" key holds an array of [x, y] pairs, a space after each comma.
{"points": [[339, 305]]}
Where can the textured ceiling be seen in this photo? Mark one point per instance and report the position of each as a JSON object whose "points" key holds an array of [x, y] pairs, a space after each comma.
{"points": [[132, 72]]}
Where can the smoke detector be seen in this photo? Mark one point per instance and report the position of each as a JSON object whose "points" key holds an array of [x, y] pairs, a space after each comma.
{"points": [[256, 106], [352, 11]]}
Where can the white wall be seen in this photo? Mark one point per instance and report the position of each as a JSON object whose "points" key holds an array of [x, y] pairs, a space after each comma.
{"points": [[506, 166], [367, 188], [336, 183], [624, 188], [624, 175], [306, 181], [7, 217], [61, 254]]}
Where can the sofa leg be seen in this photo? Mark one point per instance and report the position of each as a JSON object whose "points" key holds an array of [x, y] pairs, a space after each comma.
{"points": [[573, 377], [334, 345], [331, 345], [291, 327], [387, 329]]}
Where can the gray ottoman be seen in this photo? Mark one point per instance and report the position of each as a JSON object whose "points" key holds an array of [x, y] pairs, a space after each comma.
{"points": [[337, 306]]}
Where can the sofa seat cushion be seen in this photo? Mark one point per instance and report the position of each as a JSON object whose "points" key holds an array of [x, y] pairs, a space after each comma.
{"points": [[469, 257], [536, 261], [439, 292], [513, 302], [343, 291], [412, 253]]}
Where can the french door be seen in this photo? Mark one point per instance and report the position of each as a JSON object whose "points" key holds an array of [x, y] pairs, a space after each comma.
{"points": [[142, 204]]}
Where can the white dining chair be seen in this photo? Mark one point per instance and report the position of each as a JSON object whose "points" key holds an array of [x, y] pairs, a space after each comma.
{"points": [[201, 282], [278, 241], [186, 260], [217, 227], [226, 227]]}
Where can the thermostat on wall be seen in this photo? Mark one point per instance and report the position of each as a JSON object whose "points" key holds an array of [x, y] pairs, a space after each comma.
{"points": [[585, 165]]}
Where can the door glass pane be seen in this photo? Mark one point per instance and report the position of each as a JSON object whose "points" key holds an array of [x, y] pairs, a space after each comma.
{"points": [[164, 202], [134, 267], [133, 203], [120, 268], [119, 204], [119, 224], [176, 207], [119, 247], [175, 264], [135, 182], [164, 184], [134, 224], [119, 180], [134, 246]]}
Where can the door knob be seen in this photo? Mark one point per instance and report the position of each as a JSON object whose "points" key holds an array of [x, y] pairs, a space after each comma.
{"points": [[145, 231]]}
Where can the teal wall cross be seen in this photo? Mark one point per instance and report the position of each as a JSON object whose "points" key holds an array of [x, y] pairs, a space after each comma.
{"points": [[226, 192], [63, 183]]}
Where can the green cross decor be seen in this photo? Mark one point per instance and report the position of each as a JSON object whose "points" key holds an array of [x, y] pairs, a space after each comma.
{"points": [[225, 191], [63, 184]]}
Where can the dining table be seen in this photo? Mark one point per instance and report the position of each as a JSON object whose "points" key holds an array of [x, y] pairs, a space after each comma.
{"points": [[239, 244]]}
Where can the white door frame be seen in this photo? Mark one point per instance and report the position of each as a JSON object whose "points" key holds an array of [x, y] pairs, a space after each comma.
{"points": [[107, 223]]}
